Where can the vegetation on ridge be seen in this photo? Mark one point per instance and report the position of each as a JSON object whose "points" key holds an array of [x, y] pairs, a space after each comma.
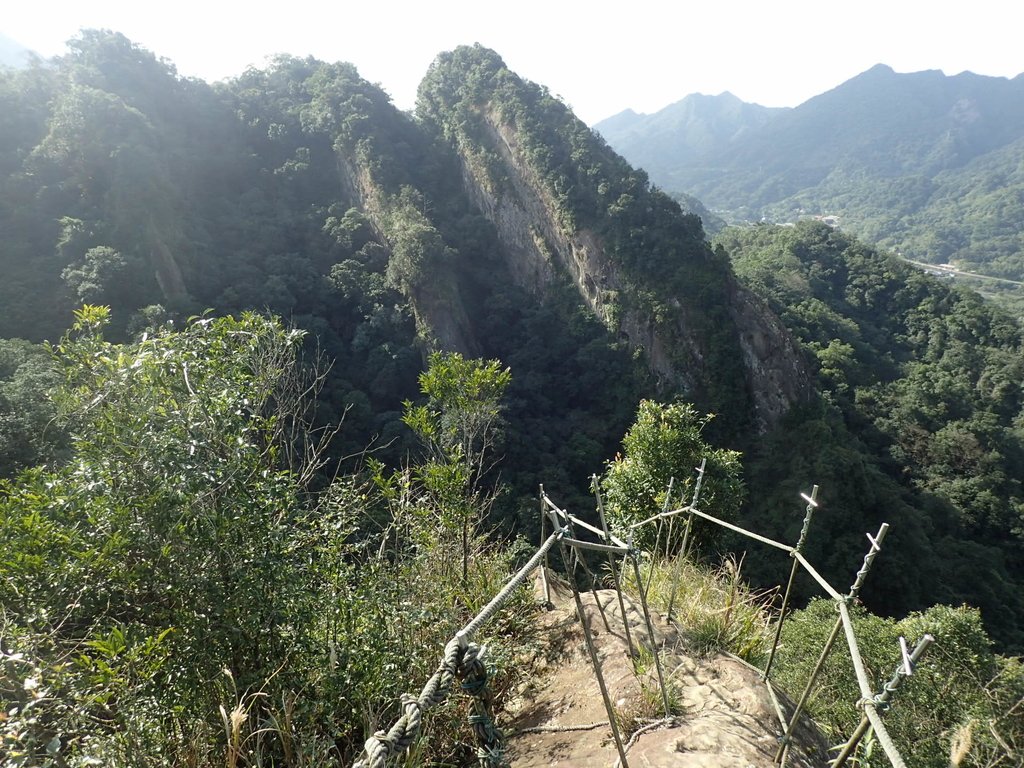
{"points": [[920, 423], [924, 164], [187, 562], [660, 265], [174, 511]]}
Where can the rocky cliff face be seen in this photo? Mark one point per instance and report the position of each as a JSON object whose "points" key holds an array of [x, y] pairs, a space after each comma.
{"points": [[441, 318], [521, 211], [775, 368], [539, 247]]}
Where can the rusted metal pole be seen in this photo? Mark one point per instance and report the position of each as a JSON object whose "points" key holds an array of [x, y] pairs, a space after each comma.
{"points": [[812, 503], [650, 628], [881, 700], [869, 558], [613, 567]]}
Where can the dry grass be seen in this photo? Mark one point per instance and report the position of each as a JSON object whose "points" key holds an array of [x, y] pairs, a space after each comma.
{"points": [[713, 608]]}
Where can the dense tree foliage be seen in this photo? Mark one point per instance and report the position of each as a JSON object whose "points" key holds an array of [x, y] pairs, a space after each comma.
{"points": [[666, 273], [184, 562], [921, 416], [29, 432], [657, 471], [297, 189]]}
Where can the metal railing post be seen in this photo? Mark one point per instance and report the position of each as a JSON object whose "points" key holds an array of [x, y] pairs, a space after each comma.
{"points": [[595, 661], [869, 558], [903, 670], [650, 627], [613, 567], [681, 555], [812, 503]]}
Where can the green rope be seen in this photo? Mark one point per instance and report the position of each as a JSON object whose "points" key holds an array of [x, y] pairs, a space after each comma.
{"points": [[466, 664]]}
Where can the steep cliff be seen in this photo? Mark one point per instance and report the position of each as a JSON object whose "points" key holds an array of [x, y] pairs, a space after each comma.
{"points": [[564, 204], [379, 167]]}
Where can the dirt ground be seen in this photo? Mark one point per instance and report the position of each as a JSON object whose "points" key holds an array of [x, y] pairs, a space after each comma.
{"points": [[724, 712]]}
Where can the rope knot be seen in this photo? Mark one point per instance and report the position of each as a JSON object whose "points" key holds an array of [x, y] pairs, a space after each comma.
{"points": [[491, 756]]}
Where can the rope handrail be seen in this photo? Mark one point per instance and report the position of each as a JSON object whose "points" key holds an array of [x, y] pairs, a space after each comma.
{"points": [[464, 634], [596, 547], [463, 659], [868, 702], [818, 577], [608, 536], [738, 529], [871, 705], [858, 660]]}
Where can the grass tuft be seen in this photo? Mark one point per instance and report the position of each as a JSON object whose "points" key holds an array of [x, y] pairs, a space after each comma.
{"points": [[713, 608]]}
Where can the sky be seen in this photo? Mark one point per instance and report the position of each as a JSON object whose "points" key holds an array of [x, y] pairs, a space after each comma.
{"points": [[599, 57]]}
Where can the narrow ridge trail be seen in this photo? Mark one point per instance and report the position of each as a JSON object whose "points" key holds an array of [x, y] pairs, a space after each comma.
{"points": [[724, 715]]}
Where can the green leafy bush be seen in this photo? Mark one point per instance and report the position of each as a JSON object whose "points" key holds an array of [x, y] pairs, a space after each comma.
{"points": [[963, 700], [665, 443]]}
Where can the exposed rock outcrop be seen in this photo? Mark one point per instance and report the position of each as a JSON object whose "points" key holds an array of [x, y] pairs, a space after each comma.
{"points": [[775, 368], [725, 714], [441, 317], [538, 246]]}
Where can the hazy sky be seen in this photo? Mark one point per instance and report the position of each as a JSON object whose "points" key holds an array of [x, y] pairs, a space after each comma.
{"points": [[600, 57]]}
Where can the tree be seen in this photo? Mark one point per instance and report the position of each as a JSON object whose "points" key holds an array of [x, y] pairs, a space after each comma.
{"points": [[665, 443], [173, 546], [459, 426], [104, 274], [29, 434]]}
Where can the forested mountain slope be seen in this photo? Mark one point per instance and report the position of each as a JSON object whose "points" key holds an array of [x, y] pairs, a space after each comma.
{"points": [[562, 203], [196, 568], [301, 190], [494, 223], [921, 163], [921, 417]]}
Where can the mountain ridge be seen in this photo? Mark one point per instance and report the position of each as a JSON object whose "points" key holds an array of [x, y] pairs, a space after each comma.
{"points": [[493, 223], [14, 54], [854, 152]]}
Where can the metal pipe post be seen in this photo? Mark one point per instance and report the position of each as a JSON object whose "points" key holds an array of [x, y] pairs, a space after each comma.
{"points": [[544, 567], [650, 627], [596, 662], [586, 569], [881, 700], [661, 526], [812, 502], [681, 555], [614, 569], [869, 558]]}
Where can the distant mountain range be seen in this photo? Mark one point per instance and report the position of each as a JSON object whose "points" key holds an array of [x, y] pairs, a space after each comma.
{"points": [[923, 163], [13, 53]]}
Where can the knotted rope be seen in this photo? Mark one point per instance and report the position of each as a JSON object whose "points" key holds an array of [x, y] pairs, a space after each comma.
{"points": [[402, 734], [475, 673], [458, 662], [462, 659]]}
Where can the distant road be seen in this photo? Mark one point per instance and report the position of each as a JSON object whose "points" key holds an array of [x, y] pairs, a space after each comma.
{"points": [[959, 273]]}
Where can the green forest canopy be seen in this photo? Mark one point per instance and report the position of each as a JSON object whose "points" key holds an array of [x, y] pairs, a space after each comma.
{"points": [[299, 191]]}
